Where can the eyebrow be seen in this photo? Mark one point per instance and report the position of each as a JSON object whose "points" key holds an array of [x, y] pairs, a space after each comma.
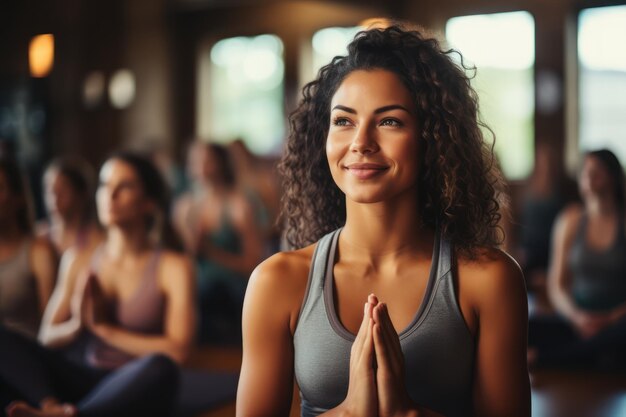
{"points": [[377, 111]]}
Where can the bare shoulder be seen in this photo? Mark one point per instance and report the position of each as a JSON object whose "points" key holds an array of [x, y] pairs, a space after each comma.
{"points": [[183, 204], [174, 267], [569, 218], [282, 280], [240, 206], [289, 267], [42, 250], [492, 277]]}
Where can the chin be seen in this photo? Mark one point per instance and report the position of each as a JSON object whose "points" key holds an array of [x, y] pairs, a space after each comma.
{"points": [[367, 198]]}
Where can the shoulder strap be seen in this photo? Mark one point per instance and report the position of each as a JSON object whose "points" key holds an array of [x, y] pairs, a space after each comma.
{"points": [[317, 271]]}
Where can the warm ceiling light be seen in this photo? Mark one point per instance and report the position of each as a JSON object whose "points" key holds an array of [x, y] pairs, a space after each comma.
{"points": [[122, 88], [376, 23], [41, 55]]}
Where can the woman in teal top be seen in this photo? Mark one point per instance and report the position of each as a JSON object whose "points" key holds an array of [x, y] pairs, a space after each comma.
{"points": [[218, 227]]}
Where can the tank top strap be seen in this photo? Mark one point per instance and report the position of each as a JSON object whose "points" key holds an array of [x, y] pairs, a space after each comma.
{"points": [[443, 259], [96, 260], [318, 271], [581, 229], [153, 263], [82, 236]]}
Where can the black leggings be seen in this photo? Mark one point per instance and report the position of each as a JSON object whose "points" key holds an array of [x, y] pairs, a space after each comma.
{"points": [[30, 372], [559, 346]]}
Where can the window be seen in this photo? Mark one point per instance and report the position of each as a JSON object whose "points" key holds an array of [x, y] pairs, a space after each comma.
{"points": [[329, 43], [602, 79], [502, 47], [241, 92]]}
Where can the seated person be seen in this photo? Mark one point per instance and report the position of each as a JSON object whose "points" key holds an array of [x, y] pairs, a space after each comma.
{"points": [[218, 227], [28, 265], [132, 303], [587, 276], [68, 198]]}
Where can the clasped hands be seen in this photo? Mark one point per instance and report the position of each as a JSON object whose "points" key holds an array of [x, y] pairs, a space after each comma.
{"points": [[377, 386], [88, 304]]}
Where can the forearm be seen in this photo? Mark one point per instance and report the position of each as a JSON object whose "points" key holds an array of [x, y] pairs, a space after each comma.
{"points": [[563, 302], [59, 334], [140, 344]]}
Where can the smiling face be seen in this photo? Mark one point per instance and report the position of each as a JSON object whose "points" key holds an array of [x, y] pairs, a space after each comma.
{"points": [[372, 144], [120, 197]]}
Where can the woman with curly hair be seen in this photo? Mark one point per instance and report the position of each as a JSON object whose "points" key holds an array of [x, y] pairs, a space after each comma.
{"points": [[396, 300]]}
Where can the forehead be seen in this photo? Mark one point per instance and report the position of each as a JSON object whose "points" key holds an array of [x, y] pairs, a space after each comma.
{"points": [[593, 162], [117, 168], [376, 87]]}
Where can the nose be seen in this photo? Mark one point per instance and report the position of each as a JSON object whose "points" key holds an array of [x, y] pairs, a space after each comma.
{"points": [[364, 141]]}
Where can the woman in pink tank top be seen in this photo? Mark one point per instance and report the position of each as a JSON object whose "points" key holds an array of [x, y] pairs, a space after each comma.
{"points": [[132, 300]]}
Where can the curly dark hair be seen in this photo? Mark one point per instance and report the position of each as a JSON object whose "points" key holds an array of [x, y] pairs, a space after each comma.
{"points": [[459, 185]]}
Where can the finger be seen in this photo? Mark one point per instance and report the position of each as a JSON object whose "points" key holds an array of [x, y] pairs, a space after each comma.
{"points": [[358, 341], [380, 348], [391, 330], [372, 299], [395, 344], [391, 340], [368, 345]]}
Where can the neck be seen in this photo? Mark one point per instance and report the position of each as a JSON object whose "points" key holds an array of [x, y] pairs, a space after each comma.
{"points": [[383, 230], [65, 224], [126, 241], [601, 206]]}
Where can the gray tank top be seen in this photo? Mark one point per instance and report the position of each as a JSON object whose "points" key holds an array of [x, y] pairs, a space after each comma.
{"points": [[437, 345], [19, 302], [598, 276]]}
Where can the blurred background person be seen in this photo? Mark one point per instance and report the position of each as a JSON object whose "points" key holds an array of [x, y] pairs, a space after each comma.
{"points": [[218, 227], [587, 276], [258, 179], [68, 185], [28, 265], [546, 192], [133, 302]]}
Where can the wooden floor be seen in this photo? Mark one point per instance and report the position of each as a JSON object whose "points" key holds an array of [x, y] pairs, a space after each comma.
{"points": [[554, 394]]}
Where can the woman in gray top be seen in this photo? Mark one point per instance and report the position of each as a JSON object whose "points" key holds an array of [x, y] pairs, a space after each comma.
{"points": [[387, 170], [28, 265], [587, 276]]}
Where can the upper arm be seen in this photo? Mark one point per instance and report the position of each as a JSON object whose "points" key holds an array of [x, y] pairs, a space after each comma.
{"points": [[266, 380], [563, 233], [501, 385], [178, 283], [44, 264]]}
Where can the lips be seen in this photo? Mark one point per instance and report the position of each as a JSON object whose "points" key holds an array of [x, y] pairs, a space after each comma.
{"points": [[365, 171]]}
